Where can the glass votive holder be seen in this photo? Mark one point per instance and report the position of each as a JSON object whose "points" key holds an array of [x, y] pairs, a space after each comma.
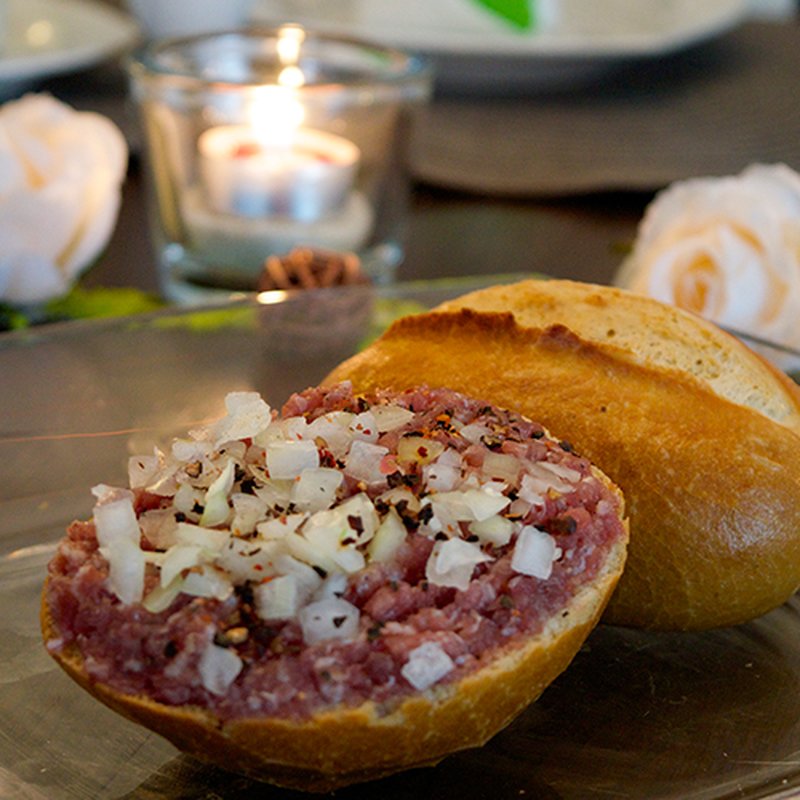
{"points": [[261, 141]]}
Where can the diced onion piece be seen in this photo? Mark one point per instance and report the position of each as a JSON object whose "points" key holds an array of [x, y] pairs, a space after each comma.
{"points": [[126, 565], [179, 558], [219, 667], [332, 618], [159, 528], [161, 598], [248, 511], [389, 417], [418, 449], [426, 665], [470, 505], [310, 554], [443, 474], [308, 578], [364, 427], [143, 469], [502, 466], [208, 538], [560, 470], [400, 494], [115, 518], [390, 535], [278, 598], [188, 499], [534, 553], [247, 416], [278, 528], [532, 490], [334, 431], [288, 459], [216, 509], [473, 432], [315, 489], [333, 586], [295, 428], [208, 582], [452, 562], [495, 530], [363, 461], [191, 450], [275, 493], [249, 560]]}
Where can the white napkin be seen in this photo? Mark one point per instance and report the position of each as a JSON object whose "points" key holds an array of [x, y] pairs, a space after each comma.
{"points": [[61, 173]]}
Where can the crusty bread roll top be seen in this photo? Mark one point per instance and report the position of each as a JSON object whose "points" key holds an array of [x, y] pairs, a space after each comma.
{"points": [[699, 432]]}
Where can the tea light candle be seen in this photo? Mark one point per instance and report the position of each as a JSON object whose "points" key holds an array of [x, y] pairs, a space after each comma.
{"points": [[304, 177]]}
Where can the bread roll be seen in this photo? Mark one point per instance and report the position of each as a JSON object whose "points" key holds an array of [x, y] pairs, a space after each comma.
{"points": [[450, 561], [700, 433]]}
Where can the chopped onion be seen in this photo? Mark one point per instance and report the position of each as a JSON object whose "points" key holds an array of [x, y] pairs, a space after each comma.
{"points": [[364, 427], [426, 665], [219, 667], [333, 586], [278, 528], [443, 474], [502, 466], [279, 598], [470, 505], [187, 500], [177, 559], [452, 562], [363, 462], [418, 449], [473, 432], [248, 511], [562, 471], [332, 618], [308, 578], [389, 417], [216, 509], [400, 494], [333, 429], [495, 530], [191, 450], [115, 517], [250, 560], [159, 528], [294, 428], [310, 554], [208, 582], [390, 535], [247, 416], [126, 565], [316, 489], [534, 553], [207, 538], [288, 459], [533, 490], [143, 469], [275, 493], [161, 598]]}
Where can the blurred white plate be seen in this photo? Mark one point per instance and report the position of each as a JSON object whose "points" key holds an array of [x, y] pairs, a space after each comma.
{"points": [[48, 37], [472, 48]]}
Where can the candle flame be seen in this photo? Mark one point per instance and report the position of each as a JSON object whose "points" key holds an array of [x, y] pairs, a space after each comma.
{"points": [[276, 112]]}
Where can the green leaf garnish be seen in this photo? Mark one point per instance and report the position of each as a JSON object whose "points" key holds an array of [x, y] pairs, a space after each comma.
{"points": [[518, 12]]}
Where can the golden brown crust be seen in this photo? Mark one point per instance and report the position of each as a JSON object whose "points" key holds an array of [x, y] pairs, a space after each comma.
{"points": [[344, 746], [712, 487]]}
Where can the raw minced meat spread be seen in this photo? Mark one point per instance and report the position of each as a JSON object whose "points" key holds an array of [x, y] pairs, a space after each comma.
{"points": [[351, 548]]}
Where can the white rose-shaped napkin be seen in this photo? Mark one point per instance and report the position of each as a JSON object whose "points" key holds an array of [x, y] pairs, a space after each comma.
{"points": [[726, 248], [60, 176]]}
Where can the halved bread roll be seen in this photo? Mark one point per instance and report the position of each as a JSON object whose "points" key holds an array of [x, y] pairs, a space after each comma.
{"points": [[700, 433], [450, 561]]}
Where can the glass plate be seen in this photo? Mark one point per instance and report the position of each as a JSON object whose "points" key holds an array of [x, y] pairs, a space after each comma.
{"points": [[637, 715]]}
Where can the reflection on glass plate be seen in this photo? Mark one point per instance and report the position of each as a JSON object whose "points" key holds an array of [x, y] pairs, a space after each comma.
{"points": [[48, 37], [474, 49], [689, 716]]}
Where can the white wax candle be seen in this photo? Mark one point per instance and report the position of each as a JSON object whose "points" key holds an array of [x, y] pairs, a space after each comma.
{"points": [[305, 178]]}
